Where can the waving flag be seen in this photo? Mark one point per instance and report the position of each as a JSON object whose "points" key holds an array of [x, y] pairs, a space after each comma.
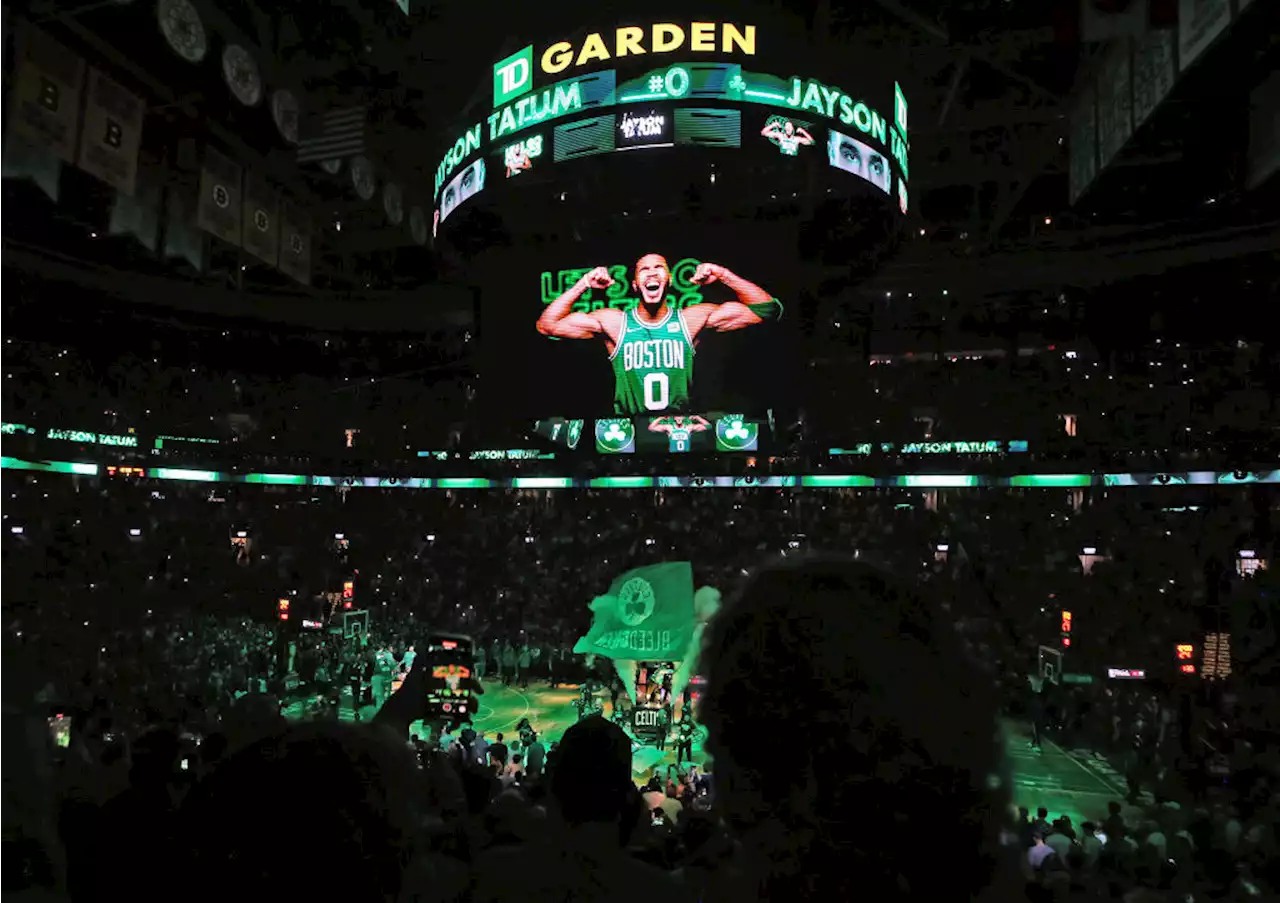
{"points": [[647, 615]]}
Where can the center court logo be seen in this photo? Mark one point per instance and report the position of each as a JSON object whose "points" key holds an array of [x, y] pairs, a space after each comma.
{"points": [[512, 76]]}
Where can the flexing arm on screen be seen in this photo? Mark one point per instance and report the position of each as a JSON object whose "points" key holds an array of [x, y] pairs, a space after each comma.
{"points": [[754, 304], [560, 321]]}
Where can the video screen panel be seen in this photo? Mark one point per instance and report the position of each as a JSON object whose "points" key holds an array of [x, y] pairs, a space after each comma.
{"points": [[609, 88], [677, 434], [638, 331], [847, 153]]}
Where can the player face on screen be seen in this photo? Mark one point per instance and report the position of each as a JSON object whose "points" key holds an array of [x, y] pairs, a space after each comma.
{"points": [[651, 280], [853, 156]]}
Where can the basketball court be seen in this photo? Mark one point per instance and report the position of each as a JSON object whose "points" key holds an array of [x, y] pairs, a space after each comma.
{"points": [[550, 711], [1063, 782]]}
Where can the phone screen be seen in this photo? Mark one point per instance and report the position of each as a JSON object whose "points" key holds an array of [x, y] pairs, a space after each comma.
{"points": [[450, 659], [60, 731]]}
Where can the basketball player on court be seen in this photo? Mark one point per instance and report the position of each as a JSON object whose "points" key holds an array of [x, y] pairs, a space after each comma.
{"points": [[651, 346]]}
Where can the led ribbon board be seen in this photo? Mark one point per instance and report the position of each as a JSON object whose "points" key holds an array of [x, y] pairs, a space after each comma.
{"points": [[695, 95]]}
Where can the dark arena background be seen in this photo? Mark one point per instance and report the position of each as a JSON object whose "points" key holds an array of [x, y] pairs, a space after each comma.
{"points": [[547, 388]]}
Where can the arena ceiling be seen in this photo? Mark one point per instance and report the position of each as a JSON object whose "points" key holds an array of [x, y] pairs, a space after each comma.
{"points": [[990, 84]]}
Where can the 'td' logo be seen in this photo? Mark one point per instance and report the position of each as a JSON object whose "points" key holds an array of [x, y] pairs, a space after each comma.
{"points": [[512, 76]]}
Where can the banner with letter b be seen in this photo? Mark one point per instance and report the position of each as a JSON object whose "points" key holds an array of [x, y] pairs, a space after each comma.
{"points": [[646, 615], [112, 133], [45, 107], [218, 211]]}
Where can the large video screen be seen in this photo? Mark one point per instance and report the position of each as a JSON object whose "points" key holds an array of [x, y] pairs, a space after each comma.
{"points": [[682, 85], [649, 328]]}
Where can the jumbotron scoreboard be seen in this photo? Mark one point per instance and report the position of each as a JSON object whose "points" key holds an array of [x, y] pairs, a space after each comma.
{"points": [[677, 434], [669, 434], [671, 85]]}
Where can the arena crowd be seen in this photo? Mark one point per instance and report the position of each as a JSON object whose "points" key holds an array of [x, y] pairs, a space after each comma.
{"points": [[130, 610]]}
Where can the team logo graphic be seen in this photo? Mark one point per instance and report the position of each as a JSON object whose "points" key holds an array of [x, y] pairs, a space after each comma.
{"points": [[575, 433], [635, 602], [221, 196], [615, 436], [736, 434], [261, 220]]}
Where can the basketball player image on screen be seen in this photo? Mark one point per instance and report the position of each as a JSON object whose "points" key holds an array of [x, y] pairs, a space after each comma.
{"points": [[851, 155], [679, 429], [651, 346], [786, 135], [517, 160]]}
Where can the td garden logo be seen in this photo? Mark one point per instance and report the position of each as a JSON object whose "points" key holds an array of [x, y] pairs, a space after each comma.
{"points": [[615, 435]]}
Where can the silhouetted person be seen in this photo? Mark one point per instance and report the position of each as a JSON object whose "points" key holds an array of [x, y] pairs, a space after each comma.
{"points": [[318, 811], [581, 856], [894, 741]]}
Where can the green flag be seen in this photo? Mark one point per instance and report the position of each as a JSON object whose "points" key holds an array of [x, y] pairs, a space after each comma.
{"points": [[647, 614]]}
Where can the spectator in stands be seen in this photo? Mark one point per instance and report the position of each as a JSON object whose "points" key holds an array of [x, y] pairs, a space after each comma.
{"points": [[861, 666], [498, 754], [599, 808], [1039, 852], [1090, 845], [316, 812]]}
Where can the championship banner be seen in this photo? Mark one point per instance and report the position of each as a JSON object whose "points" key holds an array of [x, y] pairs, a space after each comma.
{"points": [[261, 219], [295, 243], [1082, 156], [1115, 102], [46, 94], [1200, 22], [646, 615], [112, 133], [218, 212], [26, 159], [137, 212], [183, 239]]}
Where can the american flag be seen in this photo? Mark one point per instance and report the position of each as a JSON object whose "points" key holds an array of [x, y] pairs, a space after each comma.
{"points": [[333, 135]]}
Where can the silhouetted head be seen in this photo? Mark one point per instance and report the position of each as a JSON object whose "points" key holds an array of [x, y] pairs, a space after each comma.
{"points": [[591, 773], [892, 737], [321, 811]]}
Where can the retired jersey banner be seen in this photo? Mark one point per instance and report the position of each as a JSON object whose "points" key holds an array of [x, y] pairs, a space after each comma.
{"points": [[26, 159], [138, 213], [46, 95], [646, 615], [219, 210], [1200, 22], [111, 133], [295, 243], [261, 219], [183, 239]]}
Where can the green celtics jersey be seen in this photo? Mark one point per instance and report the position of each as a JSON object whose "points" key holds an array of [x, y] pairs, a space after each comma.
{"points": [[652, 365]]}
